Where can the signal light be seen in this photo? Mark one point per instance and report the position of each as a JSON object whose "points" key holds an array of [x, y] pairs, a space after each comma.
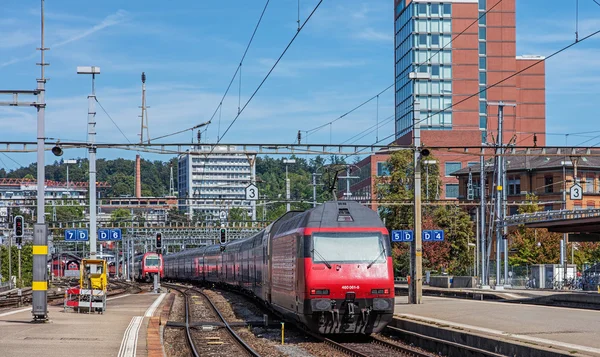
{"points": [[158, 240], [425, 152], [57, 151], [18, 226], [223, 235]]}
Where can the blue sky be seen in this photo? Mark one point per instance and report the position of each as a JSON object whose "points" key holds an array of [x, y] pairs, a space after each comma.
{"points": [[190, 50]]}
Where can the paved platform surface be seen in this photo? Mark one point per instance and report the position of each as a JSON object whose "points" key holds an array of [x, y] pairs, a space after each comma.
{"points": [[507, 294], [563, 328], [120, 331]]}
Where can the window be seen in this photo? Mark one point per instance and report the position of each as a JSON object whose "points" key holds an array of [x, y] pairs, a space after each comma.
{"points": [[483, 122], [423, 40], [447, 9], [482, 92], [482, 48], [591, 204], [589, 184], [482, 63], [383, 169], [482, 5], [435, 25], [422, 69], [435, 9], [514, 185], [451, 190], [482, 33], [447, 26], [367, 247], [452, 167], [482, 77], [548, 184], [435, 70], [422, 8], [482, 107], [435, 87], [435, 40], [482, 20]]}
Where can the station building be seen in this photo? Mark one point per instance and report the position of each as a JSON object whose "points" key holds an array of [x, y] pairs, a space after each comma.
{"points": [[210, 183], [548, 177], [450, 63]]}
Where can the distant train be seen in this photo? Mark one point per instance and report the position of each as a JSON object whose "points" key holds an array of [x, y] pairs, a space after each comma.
{"points": [[329, 267], [145, 266]]}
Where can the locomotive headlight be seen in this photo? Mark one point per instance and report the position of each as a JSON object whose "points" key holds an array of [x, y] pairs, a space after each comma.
{"points": [[381, 304], [380, 291], [319, 291]]}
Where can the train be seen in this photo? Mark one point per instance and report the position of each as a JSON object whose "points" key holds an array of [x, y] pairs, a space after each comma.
{"points": [[145, 266], [329, 268]]}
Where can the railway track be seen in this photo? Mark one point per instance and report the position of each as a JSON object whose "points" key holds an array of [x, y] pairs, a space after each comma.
{"points": [[12, 300], [214, 340]]}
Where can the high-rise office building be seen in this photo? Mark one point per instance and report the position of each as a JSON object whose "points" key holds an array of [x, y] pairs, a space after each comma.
{"points": [[445, 53], [212, 182]]}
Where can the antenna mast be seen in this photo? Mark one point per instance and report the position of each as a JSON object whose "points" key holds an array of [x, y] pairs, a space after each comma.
{"points": [[144, 115]]}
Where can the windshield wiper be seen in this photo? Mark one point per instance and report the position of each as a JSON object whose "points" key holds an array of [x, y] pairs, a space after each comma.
{"points": [[373, 262], [322, 259]]}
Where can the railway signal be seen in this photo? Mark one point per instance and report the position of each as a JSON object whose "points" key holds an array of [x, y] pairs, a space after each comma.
{"points": [[223, 235], [18, 226], [158, 242]]}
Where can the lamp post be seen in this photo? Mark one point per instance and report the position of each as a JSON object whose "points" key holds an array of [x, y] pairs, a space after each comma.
{"points": [[427, 163], [474, 255], [92, 151], [67, 162], [287, 182]]}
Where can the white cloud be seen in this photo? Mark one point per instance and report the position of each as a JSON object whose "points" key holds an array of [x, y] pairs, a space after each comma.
{"points": [[370, 34], [17, 38]]}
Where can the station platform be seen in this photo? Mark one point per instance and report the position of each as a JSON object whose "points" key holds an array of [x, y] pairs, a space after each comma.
{"points": [[120, 331], [553, 328]]}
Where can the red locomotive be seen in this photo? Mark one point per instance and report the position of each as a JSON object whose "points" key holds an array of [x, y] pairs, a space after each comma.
{"points": [[329, 267], [147, 265]]}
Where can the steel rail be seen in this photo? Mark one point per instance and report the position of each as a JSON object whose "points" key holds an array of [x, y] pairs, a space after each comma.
{"points": [[238, 339], [188, 334]]}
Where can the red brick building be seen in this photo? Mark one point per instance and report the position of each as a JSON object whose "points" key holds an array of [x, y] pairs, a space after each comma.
{"points": [[451, 61]]}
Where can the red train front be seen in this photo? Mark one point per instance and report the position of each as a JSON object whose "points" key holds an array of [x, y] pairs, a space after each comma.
{"points": [[147, 265]]}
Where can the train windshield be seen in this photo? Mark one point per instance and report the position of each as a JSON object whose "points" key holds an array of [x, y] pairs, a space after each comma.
{"points": [[152, 261], [348, 247]]}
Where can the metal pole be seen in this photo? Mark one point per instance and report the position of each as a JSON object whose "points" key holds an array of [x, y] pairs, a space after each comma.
{"points": [[415, 294], [287, 189], [348, 193], [253, 175], [499, 195], [314, 184], [19, 281], [39, 284], [9, 261], [92, 152], [478, 235], [68, 178], [507, 283]]}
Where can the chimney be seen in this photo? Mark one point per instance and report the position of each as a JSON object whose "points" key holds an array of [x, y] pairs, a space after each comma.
{"points": [[138, 177]]}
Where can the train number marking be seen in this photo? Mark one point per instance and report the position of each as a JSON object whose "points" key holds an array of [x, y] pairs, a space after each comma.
{"points": [[351, 287]]}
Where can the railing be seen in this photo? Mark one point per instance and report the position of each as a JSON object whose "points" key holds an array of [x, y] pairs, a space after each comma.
{"points": [[549, 216]]}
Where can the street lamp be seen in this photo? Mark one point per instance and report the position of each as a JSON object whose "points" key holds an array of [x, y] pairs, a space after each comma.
{"points": [[474, 256], [92, 157], [287, 182], [67, 162], [427, 163]]}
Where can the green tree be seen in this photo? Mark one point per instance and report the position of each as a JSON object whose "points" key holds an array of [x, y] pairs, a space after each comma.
{"points": [[26, 264], [120, 215], [175, 215], [237, 214]]}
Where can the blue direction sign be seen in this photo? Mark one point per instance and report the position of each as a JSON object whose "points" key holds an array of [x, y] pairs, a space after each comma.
{"points": [[82, 235], [427, 236], [103, 234], [71, 235], [403, 236], [438, 236], [115, 234]]}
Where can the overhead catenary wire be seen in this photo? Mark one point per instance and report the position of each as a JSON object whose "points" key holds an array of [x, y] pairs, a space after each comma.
{"points": [[111, 119]]}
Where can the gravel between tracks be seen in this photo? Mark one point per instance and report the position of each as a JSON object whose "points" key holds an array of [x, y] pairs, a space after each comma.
{"points": [[174, 339]]}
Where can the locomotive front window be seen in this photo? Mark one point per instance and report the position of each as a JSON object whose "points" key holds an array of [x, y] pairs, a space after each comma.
{"points": [[152, 262], [344, 247]]}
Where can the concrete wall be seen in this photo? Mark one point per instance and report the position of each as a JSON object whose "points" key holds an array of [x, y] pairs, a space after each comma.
{"points": [[464, 282], [440, 281]]}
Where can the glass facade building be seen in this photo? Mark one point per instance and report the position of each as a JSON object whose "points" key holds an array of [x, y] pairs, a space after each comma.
{"points": [[423, 36]]}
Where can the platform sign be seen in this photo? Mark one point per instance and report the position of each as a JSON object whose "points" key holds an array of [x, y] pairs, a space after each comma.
{"points": [[252, 192], [438, 236], [82, 235], [576, 192], [427, 236], [71, 235], [403, 236], [115, 234], [103, 234]]}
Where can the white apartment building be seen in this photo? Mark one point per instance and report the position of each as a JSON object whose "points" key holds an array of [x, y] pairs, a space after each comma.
{"points": [[212, 183]]}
